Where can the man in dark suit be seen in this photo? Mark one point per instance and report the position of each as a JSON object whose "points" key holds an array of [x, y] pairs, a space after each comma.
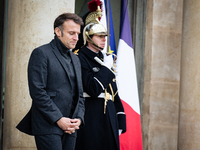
{"points": [[55, 85]]}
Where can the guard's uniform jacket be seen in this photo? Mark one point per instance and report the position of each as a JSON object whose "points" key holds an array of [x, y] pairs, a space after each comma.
{"points": [[101, 128]]}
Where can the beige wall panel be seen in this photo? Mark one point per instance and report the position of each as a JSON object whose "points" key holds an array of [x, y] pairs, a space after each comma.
{"points": [[168, 14], [165, 105], [163, 126], [166, 54], [164, 138], [189, 126], [30, 24], [189, 129]]}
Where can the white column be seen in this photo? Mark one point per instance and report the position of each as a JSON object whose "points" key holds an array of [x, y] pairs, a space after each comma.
{"points": [[189, 126], [162, 74]]}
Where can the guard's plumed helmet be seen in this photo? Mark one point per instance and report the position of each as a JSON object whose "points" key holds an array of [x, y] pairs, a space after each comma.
{"points": [[93, 29], [92, 23]]}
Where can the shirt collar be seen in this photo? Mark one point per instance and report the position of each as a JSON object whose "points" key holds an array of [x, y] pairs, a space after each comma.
{"points": [[62, 48]]}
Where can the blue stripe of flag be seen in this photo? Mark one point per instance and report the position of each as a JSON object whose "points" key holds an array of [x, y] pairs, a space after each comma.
{"points": [[112, 35]]}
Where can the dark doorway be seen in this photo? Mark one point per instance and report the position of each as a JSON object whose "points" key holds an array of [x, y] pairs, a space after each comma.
{"points": [[2, 18]]}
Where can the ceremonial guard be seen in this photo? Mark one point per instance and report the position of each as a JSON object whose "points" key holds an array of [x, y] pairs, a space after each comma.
{"points": [[104, 113]]}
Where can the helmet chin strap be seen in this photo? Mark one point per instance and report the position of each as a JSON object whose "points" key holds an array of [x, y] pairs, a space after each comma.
{"points": [[92, 42]]}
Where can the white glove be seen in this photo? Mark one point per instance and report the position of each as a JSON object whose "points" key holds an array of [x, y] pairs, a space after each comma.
{"points": [[108, 60], [120, 131]]}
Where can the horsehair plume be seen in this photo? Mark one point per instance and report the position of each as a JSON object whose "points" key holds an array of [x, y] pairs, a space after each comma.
{"points": [[92, 5]]}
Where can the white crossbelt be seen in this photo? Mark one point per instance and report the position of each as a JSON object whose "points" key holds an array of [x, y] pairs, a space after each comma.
{"points": [[102, 95]]}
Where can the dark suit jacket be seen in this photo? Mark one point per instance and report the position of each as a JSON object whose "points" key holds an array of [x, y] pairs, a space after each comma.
{"points": [[51, 91]]}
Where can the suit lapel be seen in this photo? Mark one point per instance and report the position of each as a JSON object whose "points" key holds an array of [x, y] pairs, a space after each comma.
{"points": [[76, 68], [60, 59]]}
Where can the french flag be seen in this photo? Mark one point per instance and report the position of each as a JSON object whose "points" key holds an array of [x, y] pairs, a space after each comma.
{"points": [[127, 85]]}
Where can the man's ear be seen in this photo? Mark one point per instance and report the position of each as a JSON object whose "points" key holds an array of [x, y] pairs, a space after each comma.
{"points": [[57, 32]]}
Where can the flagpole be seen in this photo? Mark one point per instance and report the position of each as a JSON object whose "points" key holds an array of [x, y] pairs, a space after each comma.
{"points": [[108, 26]]}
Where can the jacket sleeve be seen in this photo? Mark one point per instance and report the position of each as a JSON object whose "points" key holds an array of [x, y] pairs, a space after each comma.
{"points": [[121, 116], [81, 110], [37, 80]]}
